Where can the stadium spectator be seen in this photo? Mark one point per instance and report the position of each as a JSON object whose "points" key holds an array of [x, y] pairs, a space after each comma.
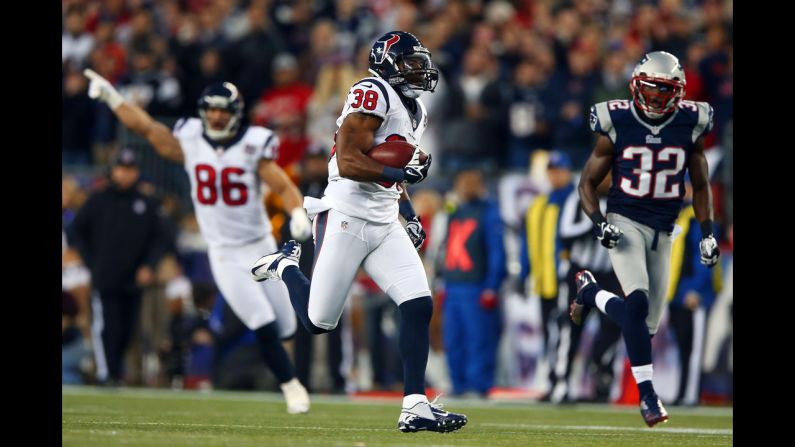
{"points": [[76, 41], [120, 238], [474, 267]]}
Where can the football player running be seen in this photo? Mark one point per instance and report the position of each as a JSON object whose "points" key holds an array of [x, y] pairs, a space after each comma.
{"points": [[356, 221], [648, 143], [226, 160]]}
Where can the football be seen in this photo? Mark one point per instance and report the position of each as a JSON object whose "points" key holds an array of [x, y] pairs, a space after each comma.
{"points": [[395, 154]]}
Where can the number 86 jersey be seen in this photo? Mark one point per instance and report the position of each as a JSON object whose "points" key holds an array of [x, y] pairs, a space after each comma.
{"points": [[649, 161], [225, 185]]}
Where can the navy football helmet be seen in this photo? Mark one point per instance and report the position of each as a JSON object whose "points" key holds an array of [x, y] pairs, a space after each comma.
{"points": [[221, 96], [399, 58]]}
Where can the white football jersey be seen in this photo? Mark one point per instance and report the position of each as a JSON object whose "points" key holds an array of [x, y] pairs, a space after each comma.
{"points": [[225, 186], [374, 201]]}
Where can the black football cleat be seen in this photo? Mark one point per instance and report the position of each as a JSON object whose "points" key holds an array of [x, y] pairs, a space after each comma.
{"points": [[652, 410]]}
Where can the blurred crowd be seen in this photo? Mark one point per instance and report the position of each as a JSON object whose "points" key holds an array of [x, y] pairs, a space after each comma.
{"points": [[517, 80]]}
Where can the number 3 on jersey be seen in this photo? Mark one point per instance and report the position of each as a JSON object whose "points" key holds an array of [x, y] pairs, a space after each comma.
{"points": [[643, 183], [369, 98], [207, 191]]}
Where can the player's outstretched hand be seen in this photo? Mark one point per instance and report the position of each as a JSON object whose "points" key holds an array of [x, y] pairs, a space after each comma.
{"points": [[417, 173], [415, 231], [609, 234], [300, 226], [102, 90], [709, 251]]}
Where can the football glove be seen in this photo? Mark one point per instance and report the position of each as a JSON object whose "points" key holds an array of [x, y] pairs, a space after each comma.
{"points": [[300, 226], [608, 234], [416, 173], [709, 251], [415, 231], [102, 90]]}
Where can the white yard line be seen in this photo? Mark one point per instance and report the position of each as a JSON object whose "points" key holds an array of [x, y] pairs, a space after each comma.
{"points": [[697, 431]]}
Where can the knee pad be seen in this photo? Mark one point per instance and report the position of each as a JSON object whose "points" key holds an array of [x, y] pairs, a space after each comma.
{"points": [[419, 309], [638, 303]]}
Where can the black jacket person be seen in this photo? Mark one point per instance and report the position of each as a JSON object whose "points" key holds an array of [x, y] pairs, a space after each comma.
{"points": [[120, 237]]}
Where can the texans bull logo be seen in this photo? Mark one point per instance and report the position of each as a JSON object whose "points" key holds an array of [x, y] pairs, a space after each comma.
{"points": [[381, 48]]}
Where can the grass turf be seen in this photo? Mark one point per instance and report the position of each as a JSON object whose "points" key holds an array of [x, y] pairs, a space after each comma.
{"points": [[141, 417]]}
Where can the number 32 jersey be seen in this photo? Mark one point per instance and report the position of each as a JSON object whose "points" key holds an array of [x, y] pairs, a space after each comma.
{"points": [[649, 161], [225, 186], [374, 201]]}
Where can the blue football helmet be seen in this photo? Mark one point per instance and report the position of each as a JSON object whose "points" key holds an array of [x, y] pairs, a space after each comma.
{"points": [[399, 58], [221, 96]]}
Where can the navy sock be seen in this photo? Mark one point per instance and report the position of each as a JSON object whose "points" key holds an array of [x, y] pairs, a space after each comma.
{"points": [[615, 309], [589, 295], [414, 342], [270, 346], [299, 286], [636, 333], [645, 388]]}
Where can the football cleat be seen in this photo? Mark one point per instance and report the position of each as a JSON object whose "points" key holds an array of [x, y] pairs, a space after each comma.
{"points": [[443, 421], [296, 396], [652, 410], [584, 279], [266, 267]]}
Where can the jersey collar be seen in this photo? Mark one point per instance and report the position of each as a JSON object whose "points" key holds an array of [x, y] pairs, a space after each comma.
{"points": [[228, 143], [654, 129]]}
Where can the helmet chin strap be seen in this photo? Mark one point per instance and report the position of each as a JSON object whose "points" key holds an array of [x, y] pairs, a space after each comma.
{"points": [[219, 135], [409, 92]]}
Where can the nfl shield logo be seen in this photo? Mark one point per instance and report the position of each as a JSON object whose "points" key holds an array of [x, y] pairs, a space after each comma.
{"points": [[344, 225], [250, 149]]}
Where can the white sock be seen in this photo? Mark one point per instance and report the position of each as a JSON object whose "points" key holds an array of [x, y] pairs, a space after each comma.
{"points": [[642, 373], [602, 297], [283, 265], [410, 403]]}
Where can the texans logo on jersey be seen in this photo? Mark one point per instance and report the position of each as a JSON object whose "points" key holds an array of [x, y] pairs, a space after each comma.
{"points": [[381, 48]]}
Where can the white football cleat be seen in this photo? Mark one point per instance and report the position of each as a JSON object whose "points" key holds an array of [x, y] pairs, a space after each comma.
{"points": [[296, 396]]}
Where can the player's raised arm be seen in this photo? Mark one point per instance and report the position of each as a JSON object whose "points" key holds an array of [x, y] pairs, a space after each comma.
{"points": [[277, 179], [135, 118], [702, 203]]}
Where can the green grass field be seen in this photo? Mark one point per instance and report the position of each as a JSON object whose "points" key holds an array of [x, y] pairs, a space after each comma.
{"points": [[137, 417]]}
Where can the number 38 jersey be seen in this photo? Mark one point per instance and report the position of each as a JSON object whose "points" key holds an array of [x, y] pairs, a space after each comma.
{"points": [[649, 161], [225, 186], [374, 201]]}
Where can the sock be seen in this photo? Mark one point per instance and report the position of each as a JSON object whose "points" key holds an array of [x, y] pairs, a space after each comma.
{"points": [[643, 375], [414, 342], [608, 303], [636, 333], [299, 286], [410, 402], [270, 346]]}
